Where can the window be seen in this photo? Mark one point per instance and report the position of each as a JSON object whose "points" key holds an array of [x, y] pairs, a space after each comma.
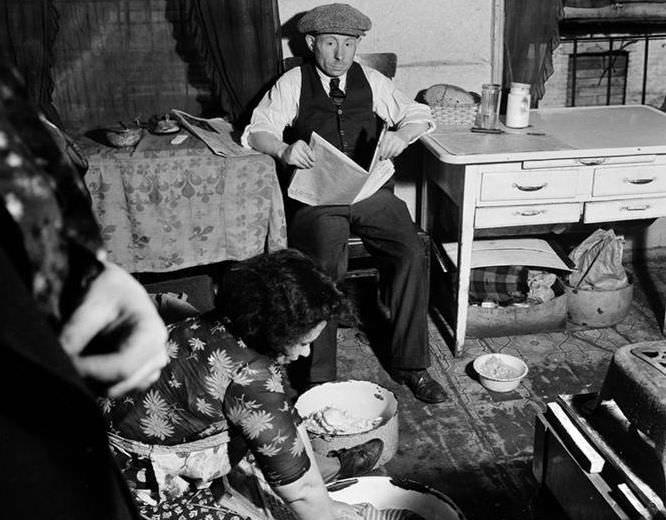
{"points": [[597, 78]]}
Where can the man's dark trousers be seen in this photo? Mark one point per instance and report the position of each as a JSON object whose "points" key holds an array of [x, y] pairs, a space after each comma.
{"points": [[384, 224]]}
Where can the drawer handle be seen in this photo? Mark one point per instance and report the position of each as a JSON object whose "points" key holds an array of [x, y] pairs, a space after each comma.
{"points": [[639, 181], [529, 213], [592, 162], [529, 188], [635, 208]]}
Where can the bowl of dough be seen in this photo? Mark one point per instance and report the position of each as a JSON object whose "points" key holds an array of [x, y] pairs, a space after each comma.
{"points": [[345, 414], [500, 372]]}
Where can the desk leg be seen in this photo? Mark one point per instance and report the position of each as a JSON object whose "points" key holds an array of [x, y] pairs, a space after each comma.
{"points": [[465, 241]]}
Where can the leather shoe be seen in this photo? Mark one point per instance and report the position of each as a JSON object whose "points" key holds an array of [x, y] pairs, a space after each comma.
{"points": [[359, 460], [422, 385]]}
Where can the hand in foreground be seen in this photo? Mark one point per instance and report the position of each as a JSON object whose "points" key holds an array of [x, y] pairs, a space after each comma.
{"points": [[298, 154], [342, 511], [392, 145], [117, 311]]}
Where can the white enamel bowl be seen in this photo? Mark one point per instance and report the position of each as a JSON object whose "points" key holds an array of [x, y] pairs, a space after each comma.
{"points": [[500, 372], [389, 493], [362, 399]]}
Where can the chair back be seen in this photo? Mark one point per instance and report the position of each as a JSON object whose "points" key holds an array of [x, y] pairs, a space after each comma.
{"points": [[384, 62]]}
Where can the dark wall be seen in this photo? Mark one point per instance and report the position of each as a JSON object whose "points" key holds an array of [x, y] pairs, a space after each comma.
{"points": [[123, 59]]}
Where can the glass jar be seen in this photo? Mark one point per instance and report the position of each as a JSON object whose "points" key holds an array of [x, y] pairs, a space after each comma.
{"points": [[487, 113], [518, 106]]}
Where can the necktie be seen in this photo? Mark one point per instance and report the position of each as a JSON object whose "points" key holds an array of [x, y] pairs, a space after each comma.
{"points": [[337, 95]]}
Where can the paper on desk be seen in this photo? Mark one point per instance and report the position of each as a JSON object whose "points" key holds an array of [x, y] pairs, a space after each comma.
{"points": [[519, 251], [337, 179]]}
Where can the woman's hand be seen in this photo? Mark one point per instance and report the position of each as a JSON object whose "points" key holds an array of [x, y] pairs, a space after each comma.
{"points": [[117, 312], [298, 154]]}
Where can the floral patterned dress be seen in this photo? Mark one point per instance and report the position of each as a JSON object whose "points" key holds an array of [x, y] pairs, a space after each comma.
{"points": [[214, 387]]}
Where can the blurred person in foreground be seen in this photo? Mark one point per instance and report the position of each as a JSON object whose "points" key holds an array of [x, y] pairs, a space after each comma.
{"points": [[224, 392], [349, 105], [70, 322]]}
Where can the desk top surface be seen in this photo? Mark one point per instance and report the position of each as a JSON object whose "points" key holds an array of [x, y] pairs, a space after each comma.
{"points": [[557, 133]]}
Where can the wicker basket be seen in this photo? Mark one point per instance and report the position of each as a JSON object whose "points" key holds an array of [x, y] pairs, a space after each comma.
{"points": [[460, 114]]}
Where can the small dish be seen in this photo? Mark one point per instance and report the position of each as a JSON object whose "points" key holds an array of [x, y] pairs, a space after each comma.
{"points": [[164, 125], [166, 130], [500, 372]]}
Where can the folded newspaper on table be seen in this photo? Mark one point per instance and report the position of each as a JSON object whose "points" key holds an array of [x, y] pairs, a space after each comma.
{"points": [[215, 132], [337, 179]]}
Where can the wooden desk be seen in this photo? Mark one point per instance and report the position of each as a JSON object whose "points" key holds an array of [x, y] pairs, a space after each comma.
{"points": [[588, 164], [165, 207]]}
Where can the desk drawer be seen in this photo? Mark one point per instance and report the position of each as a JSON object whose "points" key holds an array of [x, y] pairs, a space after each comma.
{"points": [[501, 216], [629, 180], [625, 209], [532, 185]]}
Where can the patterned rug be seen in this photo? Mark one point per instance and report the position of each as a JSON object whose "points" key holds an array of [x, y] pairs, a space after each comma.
{"points": [[477, 447]]}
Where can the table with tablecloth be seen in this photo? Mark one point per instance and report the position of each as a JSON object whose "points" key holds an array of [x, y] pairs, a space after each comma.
{"points": [[164, 207]]}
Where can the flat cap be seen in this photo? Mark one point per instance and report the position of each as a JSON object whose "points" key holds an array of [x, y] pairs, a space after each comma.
{"points": [[334, 19]]}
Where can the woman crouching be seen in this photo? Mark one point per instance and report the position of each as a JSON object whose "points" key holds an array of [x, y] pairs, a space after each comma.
{"points": [[224, 391]]}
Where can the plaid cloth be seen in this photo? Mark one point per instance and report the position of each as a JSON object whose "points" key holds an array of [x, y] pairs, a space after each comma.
{"points": [[502, 284]]}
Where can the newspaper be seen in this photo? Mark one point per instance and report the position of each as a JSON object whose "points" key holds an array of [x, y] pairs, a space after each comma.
{"points": [[337, 179], [215, 132]]}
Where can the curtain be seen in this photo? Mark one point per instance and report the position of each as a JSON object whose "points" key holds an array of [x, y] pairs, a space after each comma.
{"points": [[530, 36], [241, 45], [28, 30], [604, 3], [125, 59]]}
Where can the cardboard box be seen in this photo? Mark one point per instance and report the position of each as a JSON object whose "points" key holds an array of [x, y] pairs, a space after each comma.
{"points": [[511, 320], [508, 321]]}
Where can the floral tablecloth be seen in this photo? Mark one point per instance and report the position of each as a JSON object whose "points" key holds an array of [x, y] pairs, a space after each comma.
{"points": [[164, 207]]}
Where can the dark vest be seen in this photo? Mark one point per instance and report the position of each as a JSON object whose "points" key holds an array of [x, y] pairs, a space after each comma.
{"points": [[356, 130]]}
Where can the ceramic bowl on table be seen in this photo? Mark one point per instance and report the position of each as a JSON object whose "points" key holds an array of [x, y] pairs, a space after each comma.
{"points": [[122, 137], [362, 403], [500, 372]]}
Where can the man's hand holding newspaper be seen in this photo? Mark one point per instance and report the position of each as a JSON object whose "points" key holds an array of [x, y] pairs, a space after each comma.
{"points": [[337, 179]]}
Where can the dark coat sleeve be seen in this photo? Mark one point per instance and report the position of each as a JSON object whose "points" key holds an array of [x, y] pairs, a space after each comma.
{"points": [[56, 462]]}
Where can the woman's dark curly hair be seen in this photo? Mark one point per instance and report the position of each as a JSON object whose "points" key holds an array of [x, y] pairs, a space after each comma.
{"points": [[272, 300]]}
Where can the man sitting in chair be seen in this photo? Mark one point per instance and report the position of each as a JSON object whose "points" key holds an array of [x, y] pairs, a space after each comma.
{"points": [[348, 104]]}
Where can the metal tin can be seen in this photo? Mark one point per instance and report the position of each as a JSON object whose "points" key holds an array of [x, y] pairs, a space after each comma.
{"points": [[518, 106]]}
